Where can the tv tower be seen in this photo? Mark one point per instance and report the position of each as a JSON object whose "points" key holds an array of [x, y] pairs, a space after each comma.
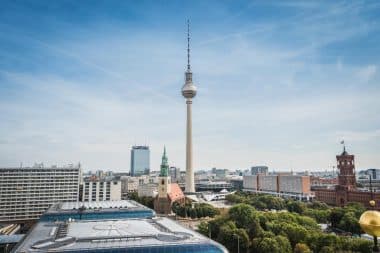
{"points": [[189, 91]]}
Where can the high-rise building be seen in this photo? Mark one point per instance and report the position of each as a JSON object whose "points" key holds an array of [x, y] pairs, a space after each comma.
{"points": [[27, 192], [140, 160], [189, 91], [175, 174], [259, 170]]}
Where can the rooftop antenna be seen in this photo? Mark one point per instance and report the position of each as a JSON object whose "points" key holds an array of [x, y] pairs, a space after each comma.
{"points": [[344, 146], [188, 46]]}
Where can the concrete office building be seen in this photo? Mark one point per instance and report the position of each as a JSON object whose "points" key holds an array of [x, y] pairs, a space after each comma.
{"points": [[287, 186], [113, 226], [140, 160], [27, 192], [101, 189]]}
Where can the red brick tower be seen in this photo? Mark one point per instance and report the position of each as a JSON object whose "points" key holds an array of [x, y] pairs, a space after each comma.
{"points": [[346, 177]]}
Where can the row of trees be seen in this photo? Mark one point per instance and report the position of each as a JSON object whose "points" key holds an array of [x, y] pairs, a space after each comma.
{"points": [[344, 219], [146, 201], [195, 211], [274, 232]]}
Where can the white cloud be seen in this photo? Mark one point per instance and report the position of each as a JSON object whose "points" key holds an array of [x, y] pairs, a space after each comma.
{"points": [[365, 74]]}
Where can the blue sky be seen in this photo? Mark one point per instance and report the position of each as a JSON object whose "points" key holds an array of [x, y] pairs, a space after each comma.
{"points": [[279, 82]]}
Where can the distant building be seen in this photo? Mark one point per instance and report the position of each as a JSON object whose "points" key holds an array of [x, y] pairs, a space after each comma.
{"points": [[287, 186], [128, 185], [345, 191], [140, 160], [259, 170], [27, 192], [100, 189], [147, 190], [175, 174], [168, 192], [322, 181], [373, 173], [219, 173]]}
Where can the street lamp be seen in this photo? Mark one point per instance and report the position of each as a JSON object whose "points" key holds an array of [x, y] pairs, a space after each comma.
{"points": [[238, 239]]}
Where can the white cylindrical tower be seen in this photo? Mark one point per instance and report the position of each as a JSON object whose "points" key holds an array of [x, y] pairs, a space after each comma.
{"points": [[189, 91]]}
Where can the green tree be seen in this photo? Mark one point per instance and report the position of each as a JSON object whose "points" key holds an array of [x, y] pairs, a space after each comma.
{"points": [[226, 234], [336, 215], [242, 214], [295, 233], [361, 245], [350, 223], [265, 245], [296, 206], [327, 249], [284, 244], [254, 228], [204, 228], [301, 248]]}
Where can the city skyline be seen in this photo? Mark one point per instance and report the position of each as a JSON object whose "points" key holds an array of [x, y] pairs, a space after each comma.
{"points": [[281, 83]]}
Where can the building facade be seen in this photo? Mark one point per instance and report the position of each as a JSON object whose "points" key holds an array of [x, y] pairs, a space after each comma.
{"points": [[288, 186], [26, 193], [128, 185], [140, 160], [100, 189], [345, 191]]}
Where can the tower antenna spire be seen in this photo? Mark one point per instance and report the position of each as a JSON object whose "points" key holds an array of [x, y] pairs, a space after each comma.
{"points": [[188, 45]]}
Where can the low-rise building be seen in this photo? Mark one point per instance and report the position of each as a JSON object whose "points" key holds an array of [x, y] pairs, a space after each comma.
{"points": [[100, 189], [111, 226], [288, 186], [128, 185], [147, 190]]}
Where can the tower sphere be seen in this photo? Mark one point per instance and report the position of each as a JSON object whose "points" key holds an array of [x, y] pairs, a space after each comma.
{"points": [[189, 90]]}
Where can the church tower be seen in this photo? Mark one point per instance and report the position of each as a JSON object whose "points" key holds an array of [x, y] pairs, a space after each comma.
{"points": [[168, 192], [164, 184]]}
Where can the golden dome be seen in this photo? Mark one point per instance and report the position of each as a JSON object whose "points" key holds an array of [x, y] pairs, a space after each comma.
{"points": [[370, 222], [372, 203]]}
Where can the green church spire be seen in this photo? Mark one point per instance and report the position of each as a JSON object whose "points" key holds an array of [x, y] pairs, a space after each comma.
{"points": [[164, 165]]}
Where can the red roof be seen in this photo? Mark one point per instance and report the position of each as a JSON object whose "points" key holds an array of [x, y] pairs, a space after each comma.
{"points": [[176, 193]]}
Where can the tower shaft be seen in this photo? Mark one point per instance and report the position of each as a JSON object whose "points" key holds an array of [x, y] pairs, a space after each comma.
{"points": [[189, 187]]}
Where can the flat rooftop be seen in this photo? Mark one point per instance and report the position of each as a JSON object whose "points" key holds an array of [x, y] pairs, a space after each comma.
{"points": [[100, 204], [131, 235], [93, 210]]}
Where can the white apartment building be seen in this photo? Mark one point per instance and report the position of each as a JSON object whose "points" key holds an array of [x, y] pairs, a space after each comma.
{"points": [[27, 192], [100, 189]]}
